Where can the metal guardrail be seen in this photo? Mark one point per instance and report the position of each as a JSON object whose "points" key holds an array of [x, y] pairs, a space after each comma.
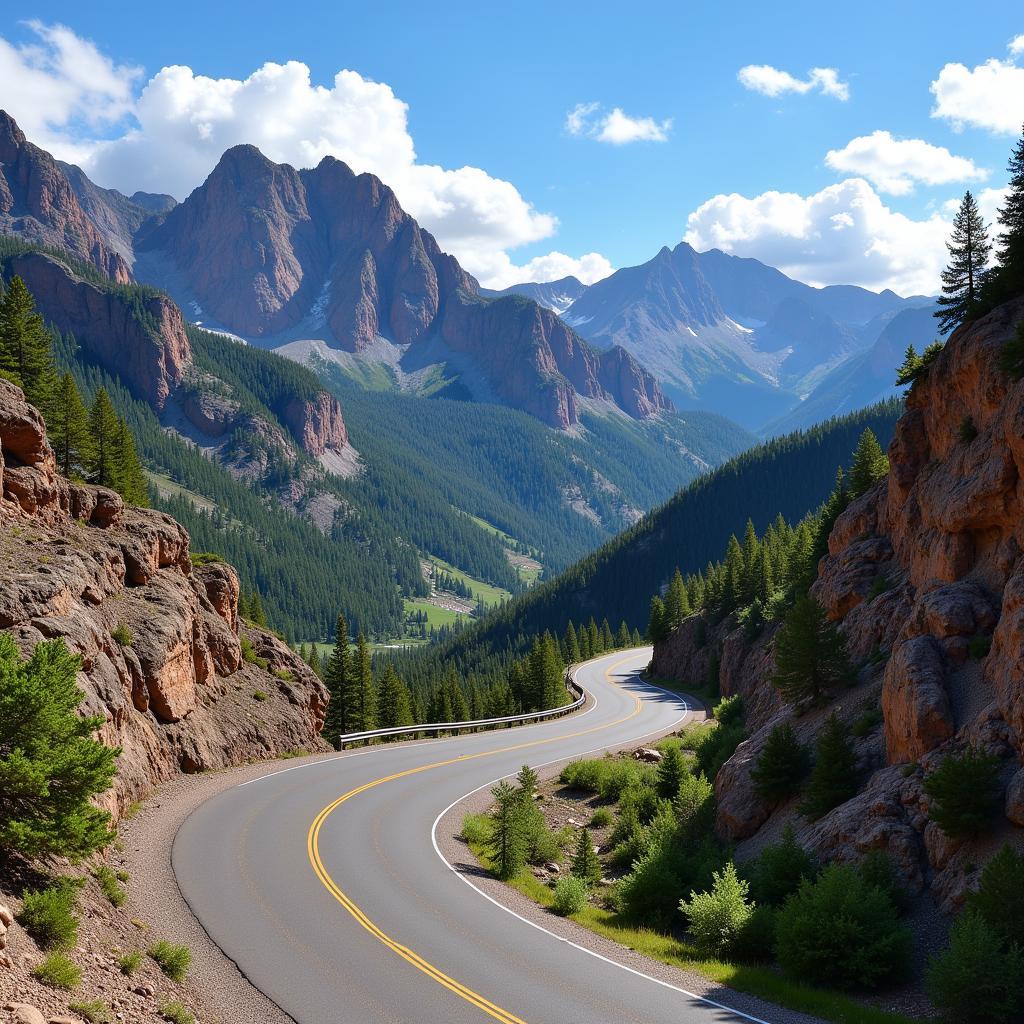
{"points": [[571, 685]]}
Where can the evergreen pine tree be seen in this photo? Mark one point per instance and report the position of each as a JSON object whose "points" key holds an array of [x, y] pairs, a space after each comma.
{"points": [[657, 625], [677, 601], [528, 781], [594, 634], [671, 770], [870, 464], [131, 479], [1008, 277], [733, 591], [622, 639], [636, 637], [585, 863], [969, 251], [68, 429], [508, 845], [314, 661], [572, 645], [257, 616], [103, 430], [25, 356], [833, 778], [338, 680], [810, 655], [751, 551], [364, 706], [607, 638], [394, 705], [781, 765]]}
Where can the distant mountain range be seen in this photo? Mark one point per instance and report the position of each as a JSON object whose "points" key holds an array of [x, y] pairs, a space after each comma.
{"points": [[741, 338]]}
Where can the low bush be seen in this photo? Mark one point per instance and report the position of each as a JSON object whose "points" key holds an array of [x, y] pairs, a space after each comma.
{"points": [[729, 710], [999, 899], [172, 959], [177, 1013], [965, 793], [695, 807], [781, 765], [58, 971], [601, 817], [50, 915], [670, 772], [876, 868], [718, 747], [755, 941], [866, 723], [110, 884], [570, 896], [122, 635], [840, 931], [717, 917], [585, 862], [259, 695], [619, 775], [585, 775], [95, 1011], [833, 779], [130, 962], [976, 978], [779, 870], [652, 890], [204, 558]]}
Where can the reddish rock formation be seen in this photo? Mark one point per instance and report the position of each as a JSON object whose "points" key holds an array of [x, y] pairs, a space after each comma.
{"points": [[37, 202], [149, 352], [316, 423], [173, 687]]}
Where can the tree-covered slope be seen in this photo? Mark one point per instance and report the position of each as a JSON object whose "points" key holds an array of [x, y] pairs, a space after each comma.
{"points": [[787, 476]]}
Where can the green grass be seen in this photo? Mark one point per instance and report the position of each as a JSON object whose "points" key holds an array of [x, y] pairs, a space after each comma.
{"points": [[130, 962], [95, 1011], [111, 885], [758, 981], [176, 1013], [173, 960], [481, 591], [168, 488], [528, 576], [57, 971], [435, 616]]}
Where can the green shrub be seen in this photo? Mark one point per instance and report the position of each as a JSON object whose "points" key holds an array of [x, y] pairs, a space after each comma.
{"points": [[670, 772], [964, 793], [976, 978], [110, 885], [58, 971], [654, 887], [570, 895], [755, 941], [249, 652], [729, 710], [50, 765], [718, 747], [585, 862], [717, 917], [585, 775], [173, 960], [695, 807], [840, 931], [999, 900], [781, 765], [967, 430], [876, 868], [833, 779], [600, 818], [50, 915], [130, 962], [122, 635], [176, 1013], [779, 870], [979, 646], [204, 558], [95, 1011], [259, 695], [866, 723], [618, 776]]}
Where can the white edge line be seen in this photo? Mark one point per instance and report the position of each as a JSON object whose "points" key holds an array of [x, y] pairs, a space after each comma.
{"points": [[435, 742], [533, 924]]}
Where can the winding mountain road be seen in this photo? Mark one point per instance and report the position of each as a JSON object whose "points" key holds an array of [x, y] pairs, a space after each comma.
{"points": [[325, 884]]}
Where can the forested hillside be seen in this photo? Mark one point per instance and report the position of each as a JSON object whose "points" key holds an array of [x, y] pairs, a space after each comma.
{"points": [[505, 467], [788, 476]]}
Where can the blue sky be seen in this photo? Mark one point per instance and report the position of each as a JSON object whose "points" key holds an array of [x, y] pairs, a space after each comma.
{"points": [[490, 88]]}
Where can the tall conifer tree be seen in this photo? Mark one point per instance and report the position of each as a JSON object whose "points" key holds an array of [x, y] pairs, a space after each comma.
{"points": [[25, 356], [338, 679], [969, 251], [68, 429]]}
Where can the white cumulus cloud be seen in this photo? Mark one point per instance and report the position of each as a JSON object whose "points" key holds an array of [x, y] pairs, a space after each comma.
{"points": [[770, 81], [68, 97], [589, 268], [989, 95], [844, 234], [615, 127], [61, 85], [895, 165]]}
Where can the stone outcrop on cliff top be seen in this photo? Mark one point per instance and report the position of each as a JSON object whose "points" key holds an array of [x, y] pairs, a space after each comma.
{"points": [[925, 574], [160, 639]]}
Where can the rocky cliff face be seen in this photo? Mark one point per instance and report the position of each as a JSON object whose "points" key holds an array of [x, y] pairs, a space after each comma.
{"points": [[160, 640], [37, 202], [925, 573]]}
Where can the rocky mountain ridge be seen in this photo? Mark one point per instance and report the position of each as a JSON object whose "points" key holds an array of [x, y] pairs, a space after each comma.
{"points": [[925, 574], [182, 683]]}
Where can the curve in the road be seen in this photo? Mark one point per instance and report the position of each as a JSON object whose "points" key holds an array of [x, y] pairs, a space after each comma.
{"points": [[414, 946]]}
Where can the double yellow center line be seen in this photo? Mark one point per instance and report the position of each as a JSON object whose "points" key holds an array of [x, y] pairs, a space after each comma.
{"points": [[313, 849]]}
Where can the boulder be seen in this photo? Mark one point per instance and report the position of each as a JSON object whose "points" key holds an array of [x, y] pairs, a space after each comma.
{"points": [[915, 705]]}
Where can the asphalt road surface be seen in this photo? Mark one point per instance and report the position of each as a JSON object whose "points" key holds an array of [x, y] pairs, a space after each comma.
{"points": [[323, 884]]}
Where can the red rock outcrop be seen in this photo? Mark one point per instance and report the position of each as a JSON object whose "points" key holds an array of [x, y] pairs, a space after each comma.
{"points": [[37, 202], [150, 351], [316, 423], [159, 639]]}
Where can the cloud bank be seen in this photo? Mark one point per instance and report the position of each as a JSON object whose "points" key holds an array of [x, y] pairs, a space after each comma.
{"points": [[770, 81], [988, 96]]}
